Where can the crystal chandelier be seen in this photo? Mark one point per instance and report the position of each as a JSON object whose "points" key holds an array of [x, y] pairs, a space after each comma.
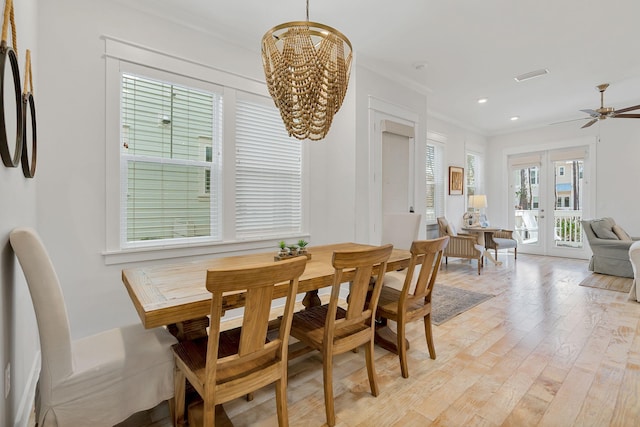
{"points": [[307, 73]]}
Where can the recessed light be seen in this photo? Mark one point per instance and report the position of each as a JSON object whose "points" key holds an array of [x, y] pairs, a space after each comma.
{"points": [[482, 100], [514, 118], [530, 75]]}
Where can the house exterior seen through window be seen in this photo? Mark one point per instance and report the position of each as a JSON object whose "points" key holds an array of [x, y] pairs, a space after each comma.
{"points": [[169, 133]]}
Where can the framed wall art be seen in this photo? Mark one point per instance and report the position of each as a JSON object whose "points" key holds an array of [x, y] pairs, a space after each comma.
{"points": [[456, 181]]}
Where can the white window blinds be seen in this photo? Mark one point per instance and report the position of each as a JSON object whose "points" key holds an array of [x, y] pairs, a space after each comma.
{"points": [[435, 181], [268, 173], [170, 161]]}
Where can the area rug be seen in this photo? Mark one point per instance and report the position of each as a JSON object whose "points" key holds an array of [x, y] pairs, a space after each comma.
{"points": [[447, 302], [611, 283]]}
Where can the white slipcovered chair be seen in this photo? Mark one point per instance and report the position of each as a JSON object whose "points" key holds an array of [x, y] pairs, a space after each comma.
{"points": [[95, 381], [400, 229]]}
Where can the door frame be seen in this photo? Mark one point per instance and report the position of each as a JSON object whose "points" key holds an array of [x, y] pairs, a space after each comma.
{"points": [[380, 111], [589, 191]]}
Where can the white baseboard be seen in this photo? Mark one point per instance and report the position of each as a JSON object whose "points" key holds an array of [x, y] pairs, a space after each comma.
{"points": [[27, 399]]}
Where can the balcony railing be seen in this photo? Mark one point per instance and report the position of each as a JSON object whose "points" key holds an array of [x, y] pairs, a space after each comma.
{"points": [[568, 228]]}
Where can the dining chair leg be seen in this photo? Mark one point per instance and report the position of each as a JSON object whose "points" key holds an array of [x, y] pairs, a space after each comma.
{"points": [[180, 384], [402, 349], [209, 415], [281, 402], [429, 334], [327, 372], [371, 369]]}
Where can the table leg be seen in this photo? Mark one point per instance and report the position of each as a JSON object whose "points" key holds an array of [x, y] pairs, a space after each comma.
{"points": [[190, 329], [488, 254], [311, 299], [386, 338]]}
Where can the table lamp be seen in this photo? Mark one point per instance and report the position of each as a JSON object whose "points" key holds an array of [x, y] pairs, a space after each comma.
{"points": [[477, 202]]}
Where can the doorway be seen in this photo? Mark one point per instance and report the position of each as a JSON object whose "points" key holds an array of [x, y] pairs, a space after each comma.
{"points": [[397, 167], [392, 164], [549, 197]]}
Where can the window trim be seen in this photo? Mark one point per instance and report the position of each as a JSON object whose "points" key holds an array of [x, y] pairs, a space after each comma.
{"points": [[439, 148], [479, 175], [119, 54]]}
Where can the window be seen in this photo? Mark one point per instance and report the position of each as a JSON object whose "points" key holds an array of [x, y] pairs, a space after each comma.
{"points": [[199, 163], [435, 181], [533, 175], [473, 175], [268, 172], [561, 171], [169, 133]]}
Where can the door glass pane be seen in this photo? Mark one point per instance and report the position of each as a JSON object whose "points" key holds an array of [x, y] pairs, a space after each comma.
{"points": [[568, 210], [525, 197]]}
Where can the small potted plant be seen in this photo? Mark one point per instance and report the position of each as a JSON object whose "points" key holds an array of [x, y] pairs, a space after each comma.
{"points": [[293, 250], [302, 245], [283, 249]]}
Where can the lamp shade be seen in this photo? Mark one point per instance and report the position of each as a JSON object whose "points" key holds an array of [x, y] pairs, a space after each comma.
{"points": [[478, 201]]}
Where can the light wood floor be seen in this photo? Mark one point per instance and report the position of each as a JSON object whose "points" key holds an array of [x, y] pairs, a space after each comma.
{"points": [[543, 352]]}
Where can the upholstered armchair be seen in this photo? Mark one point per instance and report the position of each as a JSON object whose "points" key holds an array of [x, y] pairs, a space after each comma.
{"points": [[502, 239], [460, 245], [610, 246]]}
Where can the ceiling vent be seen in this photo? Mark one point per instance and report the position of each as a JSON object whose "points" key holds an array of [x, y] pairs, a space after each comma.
{"points": [[531, 75]]}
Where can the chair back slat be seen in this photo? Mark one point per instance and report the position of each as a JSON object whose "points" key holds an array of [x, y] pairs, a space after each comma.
{"points": [[256, 319], [363, 263]]}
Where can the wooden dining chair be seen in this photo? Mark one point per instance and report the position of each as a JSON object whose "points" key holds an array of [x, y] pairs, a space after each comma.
{"points": [[332, 329], [233, 363], [406, 296]]}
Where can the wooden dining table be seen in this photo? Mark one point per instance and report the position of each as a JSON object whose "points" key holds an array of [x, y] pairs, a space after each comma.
{"points": [[174, 295]]}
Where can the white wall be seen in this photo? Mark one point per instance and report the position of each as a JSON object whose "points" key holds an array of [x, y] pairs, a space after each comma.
{"points": [[18, 331], [617, 154]]}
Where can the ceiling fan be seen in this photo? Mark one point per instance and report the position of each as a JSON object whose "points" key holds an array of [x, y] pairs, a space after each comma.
{"points": [[605, 112]]}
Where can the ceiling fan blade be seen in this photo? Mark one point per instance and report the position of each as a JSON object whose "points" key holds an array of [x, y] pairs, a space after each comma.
{"points": [[567, 121], [592, 113], [627, 116], [589, 124], [624, 110]]}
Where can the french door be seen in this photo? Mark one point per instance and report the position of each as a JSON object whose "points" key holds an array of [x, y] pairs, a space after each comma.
{"points": [[549, 197]]}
